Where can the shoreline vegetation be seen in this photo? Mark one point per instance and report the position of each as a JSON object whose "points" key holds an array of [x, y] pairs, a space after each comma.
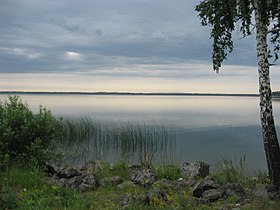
{"points": [[33, 174]]}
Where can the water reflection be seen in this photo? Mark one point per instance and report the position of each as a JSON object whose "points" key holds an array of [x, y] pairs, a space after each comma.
{"points": [[208, 128], [185, 112]]}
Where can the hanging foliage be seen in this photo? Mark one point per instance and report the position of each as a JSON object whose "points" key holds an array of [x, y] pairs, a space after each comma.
{"points": [[224, 16]]}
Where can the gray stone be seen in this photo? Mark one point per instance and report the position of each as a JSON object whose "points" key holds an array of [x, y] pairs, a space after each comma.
{"points": [[191, 182], [79, 178], [195, 169], [175, 185], [234, 189], [51, 168], [54, 169], [68, 172], [213, 194], [91, 167], [143, 177], [82, 183], [206, 184]]}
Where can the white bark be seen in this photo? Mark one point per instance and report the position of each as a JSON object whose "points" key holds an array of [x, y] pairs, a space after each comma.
{"points": [[271, 144]]}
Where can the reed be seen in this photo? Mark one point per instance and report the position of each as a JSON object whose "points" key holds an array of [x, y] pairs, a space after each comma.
{"points": [[83, 139]]}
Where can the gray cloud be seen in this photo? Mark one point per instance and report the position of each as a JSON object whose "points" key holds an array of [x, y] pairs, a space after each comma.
{"points": [[104, 35]]}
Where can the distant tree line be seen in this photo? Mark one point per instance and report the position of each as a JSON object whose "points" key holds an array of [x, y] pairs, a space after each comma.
{"points": [[276, 94]]}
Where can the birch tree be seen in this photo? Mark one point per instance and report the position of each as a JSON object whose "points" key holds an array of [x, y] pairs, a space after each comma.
{"points": [[259, 18]]}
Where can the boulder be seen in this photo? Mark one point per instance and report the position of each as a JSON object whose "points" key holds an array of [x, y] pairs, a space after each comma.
{"points": [[68, 172], [234, 189], [79, 183], [51, 168], [91, 167], [174, 185], [206, 184], [213, 194], [54, 169], [143, 177], [194, 170], [79, 178]]}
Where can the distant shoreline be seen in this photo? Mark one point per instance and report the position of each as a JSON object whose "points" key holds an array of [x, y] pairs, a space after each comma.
{"points": [[124, 93]]}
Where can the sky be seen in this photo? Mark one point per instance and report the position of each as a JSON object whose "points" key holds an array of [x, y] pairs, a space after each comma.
{"points": [[118, 45]]}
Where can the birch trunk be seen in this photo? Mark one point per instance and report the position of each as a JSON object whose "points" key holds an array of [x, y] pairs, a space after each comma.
{"points": [[270, 140]]}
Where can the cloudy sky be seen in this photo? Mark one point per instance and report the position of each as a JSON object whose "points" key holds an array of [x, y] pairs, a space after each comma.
{"points": [[117, 45]]}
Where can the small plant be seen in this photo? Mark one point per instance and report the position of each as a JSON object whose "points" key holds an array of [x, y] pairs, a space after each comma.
{"points": [[234, 172], [231, 172], [25, 136], [168, 172]]}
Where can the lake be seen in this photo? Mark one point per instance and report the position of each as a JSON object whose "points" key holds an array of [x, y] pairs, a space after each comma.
{"points": [[208, 128]]}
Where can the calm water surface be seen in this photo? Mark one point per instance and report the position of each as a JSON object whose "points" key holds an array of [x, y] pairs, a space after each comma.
{"points": [[208, 128]]}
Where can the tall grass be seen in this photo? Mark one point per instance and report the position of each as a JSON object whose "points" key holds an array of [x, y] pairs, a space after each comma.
{"points": [[83, 139]]}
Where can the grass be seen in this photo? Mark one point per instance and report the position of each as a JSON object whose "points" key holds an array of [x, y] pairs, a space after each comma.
{"points": [[232, 171], [170, 172], [83, 139], [24, 188]]}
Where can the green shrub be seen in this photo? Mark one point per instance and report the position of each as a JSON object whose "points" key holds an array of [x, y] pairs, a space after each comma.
{"points": [[25, 136]]}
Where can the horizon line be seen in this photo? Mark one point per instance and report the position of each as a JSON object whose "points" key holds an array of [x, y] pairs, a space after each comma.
{"points": [[129, 93]]}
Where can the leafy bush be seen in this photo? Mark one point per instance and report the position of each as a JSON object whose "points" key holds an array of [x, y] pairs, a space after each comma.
{"points": [[25, 136]]}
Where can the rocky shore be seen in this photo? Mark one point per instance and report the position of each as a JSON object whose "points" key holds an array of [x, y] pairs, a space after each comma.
{"points": [[195, 180]]}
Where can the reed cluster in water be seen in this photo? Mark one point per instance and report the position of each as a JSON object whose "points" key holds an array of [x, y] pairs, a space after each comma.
{"points": [[84, 139]]}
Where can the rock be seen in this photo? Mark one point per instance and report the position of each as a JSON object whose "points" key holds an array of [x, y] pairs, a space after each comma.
{"points": [[234, 189], [267, 191], [213, 194], [113, 181], [175, 185], [60, 183], [143, 177], [51, 168], [191, 182], [80, 178], [206, 184], [194, 170], [91, 167], [54, 169], [82, 183], [68, 172]]}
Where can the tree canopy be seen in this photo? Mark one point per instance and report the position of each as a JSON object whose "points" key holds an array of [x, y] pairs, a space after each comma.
{"points": [[224, 16]]}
